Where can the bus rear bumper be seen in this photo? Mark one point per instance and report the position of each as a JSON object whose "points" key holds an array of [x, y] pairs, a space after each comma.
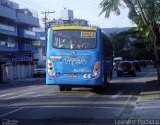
{"points": [[76, 82]]}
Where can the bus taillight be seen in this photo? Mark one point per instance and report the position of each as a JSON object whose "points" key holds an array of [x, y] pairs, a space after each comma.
{"points": [[50, 68], [96, 70]]}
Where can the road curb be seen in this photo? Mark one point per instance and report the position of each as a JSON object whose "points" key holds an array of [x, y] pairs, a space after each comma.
{"points": [[23, 80]]}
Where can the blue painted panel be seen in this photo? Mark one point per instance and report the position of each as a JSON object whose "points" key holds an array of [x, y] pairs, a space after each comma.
{"points": [[7, 12], [23, 18]]}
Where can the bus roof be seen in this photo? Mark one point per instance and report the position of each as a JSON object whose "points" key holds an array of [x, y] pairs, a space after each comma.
{"points": [[74, 28]]}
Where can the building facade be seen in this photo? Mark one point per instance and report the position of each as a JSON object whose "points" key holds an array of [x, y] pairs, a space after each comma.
{"points": [[18, 30]]}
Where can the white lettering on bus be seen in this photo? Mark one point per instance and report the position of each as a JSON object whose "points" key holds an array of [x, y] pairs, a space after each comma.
{"points": [[74, 62]]}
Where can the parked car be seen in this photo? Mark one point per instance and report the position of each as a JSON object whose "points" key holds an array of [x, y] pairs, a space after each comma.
{"points": [[39, 71], [115, 65], [136, 65], [126, 68], [143, 63], [149, 62]]}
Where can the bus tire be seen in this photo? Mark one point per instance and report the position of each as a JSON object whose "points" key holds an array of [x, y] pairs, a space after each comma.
{"points": [[68, 88], [62, 88], [106, 81]]}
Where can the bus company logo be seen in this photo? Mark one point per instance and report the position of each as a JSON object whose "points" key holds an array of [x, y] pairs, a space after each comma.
{"points": [[73, 54], [74, 62]]}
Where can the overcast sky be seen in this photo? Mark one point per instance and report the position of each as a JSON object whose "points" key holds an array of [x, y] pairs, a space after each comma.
{"points": [[85, 9]]}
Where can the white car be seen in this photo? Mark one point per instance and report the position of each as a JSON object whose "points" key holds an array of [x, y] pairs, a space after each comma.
{"points": [[39, 71]]}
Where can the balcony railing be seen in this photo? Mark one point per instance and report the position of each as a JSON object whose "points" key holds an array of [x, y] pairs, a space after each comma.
{"points": [[28, 32], [8, 28], [8, 44]]}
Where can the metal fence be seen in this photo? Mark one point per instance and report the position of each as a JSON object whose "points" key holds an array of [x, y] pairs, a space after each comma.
{"points": [[11, 72]]}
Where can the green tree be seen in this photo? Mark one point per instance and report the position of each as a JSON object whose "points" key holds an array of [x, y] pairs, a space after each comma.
{"points": [[120, 44], [142, 47], [143, 13]]}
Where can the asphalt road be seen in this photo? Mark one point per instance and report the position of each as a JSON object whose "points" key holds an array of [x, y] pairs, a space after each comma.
{"points": [[33, 102]]}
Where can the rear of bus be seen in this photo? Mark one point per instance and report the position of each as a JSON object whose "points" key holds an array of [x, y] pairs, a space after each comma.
{"points": [[74, 56]]}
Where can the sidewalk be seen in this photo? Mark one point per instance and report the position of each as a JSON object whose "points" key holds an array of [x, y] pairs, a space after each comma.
{"points": [[148, 104], [25, 80]]}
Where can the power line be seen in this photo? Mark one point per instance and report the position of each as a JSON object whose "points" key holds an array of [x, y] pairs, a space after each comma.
{"points": [[46, 13]]}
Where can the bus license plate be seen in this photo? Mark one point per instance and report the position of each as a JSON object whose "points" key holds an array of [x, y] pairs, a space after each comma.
{"points": [[73, 76]]}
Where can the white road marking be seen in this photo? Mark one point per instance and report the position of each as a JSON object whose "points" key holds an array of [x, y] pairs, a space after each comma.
{"points": [[19, 96], [148, 107], [68, 106], [7, 94], [125, 104], [116, 96], [129, 97], [11, 112], [24, 89], [41, 94], [89, 95], [32, 86]]}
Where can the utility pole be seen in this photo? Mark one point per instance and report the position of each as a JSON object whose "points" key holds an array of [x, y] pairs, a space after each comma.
{"points": [[46, 13]]}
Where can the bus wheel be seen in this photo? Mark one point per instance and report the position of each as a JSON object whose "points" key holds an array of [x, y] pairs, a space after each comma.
{"points": [[106, 83], [105, 87], [62, 88], [68, 88]]}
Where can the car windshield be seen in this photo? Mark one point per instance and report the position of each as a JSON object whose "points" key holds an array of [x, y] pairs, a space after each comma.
{"points": [[74, 39], [125, 64]]}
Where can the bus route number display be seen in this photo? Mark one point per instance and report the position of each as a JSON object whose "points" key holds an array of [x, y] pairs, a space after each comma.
{"points": [[88, 34]]}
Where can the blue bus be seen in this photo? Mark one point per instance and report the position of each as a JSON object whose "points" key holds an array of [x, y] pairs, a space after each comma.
{"points": [[78, 56]]}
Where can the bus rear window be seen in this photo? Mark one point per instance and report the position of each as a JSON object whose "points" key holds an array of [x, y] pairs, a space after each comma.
{"points": [[74, 39]]}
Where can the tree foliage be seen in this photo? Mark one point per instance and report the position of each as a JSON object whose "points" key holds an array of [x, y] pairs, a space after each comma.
{"points": [[120, 43], [144, 13]]}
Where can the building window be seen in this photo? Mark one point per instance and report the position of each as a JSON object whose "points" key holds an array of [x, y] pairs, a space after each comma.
{"points": [[8, 44], [11, 44], [8, 28], [3, 43]]}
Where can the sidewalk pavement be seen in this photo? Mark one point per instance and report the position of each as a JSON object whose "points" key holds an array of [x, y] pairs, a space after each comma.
{"points": [[148, 104], [24, 80]]}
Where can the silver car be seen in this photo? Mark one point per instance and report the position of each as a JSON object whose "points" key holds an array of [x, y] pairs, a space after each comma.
{"points": [[39, 71]]}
